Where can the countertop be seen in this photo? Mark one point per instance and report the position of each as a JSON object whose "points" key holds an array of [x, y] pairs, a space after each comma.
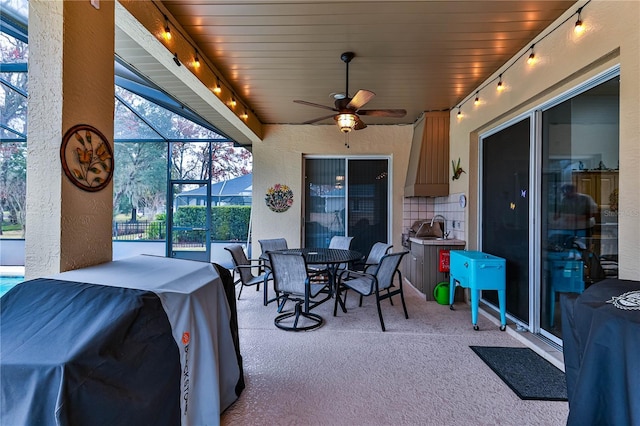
{"points": [[434, 242]]}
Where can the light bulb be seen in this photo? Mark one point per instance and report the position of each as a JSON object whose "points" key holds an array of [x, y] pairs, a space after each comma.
{"points": [[532, 58], [579, 28], [476, 102], [217, 89], [167, 29], [196, 61]]}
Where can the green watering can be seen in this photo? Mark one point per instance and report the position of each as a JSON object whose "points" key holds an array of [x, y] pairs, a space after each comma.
{"points": [[441, 293]]}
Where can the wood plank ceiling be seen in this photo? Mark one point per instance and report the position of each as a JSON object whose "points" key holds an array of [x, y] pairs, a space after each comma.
{"points": [[416, 55]]}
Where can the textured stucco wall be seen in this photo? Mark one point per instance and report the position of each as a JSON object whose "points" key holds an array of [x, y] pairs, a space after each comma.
{"points": [[565, 61], [279, 159], [70, 82]]}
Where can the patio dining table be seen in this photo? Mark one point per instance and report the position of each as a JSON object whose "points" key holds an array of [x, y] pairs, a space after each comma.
{"points": [[332, 258]]}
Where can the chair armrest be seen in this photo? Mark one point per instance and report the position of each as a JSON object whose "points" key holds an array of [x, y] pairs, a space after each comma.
{"points": [[354, 274], [238, 267]]}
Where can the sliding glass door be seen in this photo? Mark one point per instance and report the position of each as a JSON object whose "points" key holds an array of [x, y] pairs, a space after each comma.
{"points": [[579, 208], [505, 211], [549, 201], [346, 196]]}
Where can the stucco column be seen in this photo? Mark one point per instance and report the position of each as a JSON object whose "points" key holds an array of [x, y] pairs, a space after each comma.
{"points": [[71, 81]]}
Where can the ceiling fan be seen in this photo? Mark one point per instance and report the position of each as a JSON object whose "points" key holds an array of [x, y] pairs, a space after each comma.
{"points": [[347, 110]]}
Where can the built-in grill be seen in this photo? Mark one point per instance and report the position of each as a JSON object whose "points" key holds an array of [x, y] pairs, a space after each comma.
{"points": [[420, 229]]}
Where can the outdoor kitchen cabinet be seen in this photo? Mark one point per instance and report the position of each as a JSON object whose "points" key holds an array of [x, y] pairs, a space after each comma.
{"points": [[422, 270], [416, 266]]}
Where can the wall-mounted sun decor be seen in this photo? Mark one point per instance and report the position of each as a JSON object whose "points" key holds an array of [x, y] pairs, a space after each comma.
{"points": [[279, 198]]}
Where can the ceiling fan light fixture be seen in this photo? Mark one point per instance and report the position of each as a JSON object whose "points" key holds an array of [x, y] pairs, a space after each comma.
{"points": [[346, 122]]}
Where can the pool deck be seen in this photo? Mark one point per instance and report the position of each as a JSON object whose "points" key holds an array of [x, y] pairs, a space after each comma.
{"points": [[12, 271]]}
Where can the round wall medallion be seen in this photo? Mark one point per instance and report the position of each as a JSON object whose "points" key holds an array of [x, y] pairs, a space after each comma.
{"points": [[279, 198], [463, 201], [87, 158]]}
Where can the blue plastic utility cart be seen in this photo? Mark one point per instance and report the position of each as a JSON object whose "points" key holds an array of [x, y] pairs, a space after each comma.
{"points": [[478, 271]]}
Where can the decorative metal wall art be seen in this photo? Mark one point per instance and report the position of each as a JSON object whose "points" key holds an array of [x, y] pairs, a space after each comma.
{"points": [[87, 158]]}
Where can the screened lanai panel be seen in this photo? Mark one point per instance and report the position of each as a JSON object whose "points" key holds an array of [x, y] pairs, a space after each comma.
{"points": [[14, 50], [128, 126], [13, 106], [170, 125]]}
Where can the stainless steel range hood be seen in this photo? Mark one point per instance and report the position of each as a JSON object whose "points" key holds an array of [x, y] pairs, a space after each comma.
{"points": [[428, 172]]}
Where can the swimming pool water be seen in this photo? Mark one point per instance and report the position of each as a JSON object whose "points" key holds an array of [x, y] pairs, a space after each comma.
{"points": [[7, 283]]}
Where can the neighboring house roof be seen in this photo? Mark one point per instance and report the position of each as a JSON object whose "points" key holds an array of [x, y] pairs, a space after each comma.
{"points": [[237, 187]]}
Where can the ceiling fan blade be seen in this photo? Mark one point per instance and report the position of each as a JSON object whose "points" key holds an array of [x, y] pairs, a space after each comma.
{"points": [[360, 99], [383, 112], [315, 120], [359, 124], [314, 105]]}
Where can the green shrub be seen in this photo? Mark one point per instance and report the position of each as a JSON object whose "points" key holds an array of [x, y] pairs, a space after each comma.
{"points": [[227, 222]]}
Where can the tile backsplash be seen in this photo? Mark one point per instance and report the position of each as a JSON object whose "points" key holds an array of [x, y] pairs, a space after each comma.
{"points": [[416, 208]]}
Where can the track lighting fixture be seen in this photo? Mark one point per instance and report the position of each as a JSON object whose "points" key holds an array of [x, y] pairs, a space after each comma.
{"points": [[244, 115], [459, 113], [167, 29], [232, 103], [500, 86], [176, 60], [476, 101], [579, 28]]}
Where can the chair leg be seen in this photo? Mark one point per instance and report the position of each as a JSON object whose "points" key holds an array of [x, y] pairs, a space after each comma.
{"points": [[297, 313], [404, 306], [379, 310], [240, 292]]}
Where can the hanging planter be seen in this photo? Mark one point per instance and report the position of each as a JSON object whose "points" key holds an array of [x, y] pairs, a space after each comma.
{"points": [[279, 198]]}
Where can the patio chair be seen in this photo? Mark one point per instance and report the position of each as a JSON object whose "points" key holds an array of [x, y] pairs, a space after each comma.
{"points": [[271, 245], [337, 242], [267, 246], [367, 284], [373, 258], [243, 267], [292, 280]]}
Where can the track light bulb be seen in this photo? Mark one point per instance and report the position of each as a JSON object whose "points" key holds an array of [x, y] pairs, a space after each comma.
{"points": [[476, 102], [459, 113], [196, 60], [500, 85], [233, 102], [532, 57]]}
